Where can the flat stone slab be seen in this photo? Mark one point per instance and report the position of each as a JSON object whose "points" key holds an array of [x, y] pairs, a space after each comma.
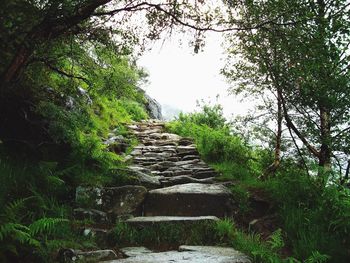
{"points": [[200, 256], [135, 251], [184, 179], [193, 188], [222, 251], [192, 199], [170, 219]]}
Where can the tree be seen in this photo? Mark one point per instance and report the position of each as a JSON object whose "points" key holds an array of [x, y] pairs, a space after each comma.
{"points": [[306, 64]]}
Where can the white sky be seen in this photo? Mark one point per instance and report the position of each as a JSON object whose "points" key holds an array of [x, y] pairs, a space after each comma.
{"points": [[179, 78]]}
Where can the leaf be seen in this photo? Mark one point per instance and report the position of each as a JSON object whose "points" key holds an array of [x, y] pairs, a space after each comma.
{"points": [[46, 225]]}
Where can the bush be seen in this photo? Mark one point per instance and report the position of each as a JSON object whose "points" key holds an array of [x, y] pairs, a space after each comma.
{"points": [[315, 218]]}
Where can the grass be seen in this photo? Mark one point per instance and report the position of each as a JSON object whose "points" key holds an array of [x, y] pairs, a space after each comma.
{"points": [[166, 235]]}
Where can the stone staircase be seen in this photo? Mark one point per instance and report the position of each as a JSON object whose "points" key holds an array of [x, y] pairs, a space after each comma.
{"points": [[173, 186]]}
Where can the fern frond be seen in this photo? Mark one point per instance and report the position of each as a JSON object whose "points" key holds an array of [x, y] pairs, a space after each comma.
{"points": [[13, 209], [45, 225], [276, 240], [17, 232]]}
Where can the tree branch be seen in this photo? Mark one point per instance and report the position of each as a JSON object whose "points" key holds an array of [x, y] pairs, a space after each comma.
{"points": [[291, 125]]}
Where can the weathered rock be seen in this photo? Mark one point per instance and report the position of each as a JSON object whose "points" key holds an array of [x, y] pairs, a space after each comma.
{"points": [[154, 220], [123, 200], [92, 214], [117, 143], [135, 251], [190, 157], [165, 143], [204, 174], [95, 232], [236, 256], [184, 179], [145, 179], [161, 155], [186, 149], [136, 152], [153, 108], [90, 197], [185, 141], [191, 199], [70, 255], [201, 256]]}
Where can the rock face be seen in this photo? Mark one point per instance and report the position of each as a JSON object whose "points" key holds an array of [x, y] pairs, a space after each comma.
{"points": [[153, 108]]}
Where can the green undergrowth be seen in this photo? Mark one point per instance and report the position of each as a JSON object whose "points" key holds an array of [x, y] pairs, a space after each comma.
{"points": [[220, 233], [312, 218], [165, 235], [52, 139]]}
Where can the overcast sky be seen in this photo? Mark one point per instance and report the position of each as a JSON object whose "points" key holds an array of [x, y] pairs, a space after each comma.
{"points": [[179, 78]]}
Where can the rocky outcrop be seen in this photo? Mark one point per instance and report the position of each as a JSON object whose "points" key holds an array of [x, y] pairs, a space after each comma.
{"points": [[152, 106]]}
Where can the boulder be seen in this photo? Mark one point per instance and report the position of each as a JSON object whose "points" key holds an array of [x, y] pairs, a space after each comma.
{"points": [[123, 200]]}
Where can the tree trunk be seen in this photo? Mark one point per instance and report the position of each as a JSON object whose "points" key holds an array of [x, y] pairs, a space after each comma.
{"points": [[18, 62], [325, 152], [271, 170]]}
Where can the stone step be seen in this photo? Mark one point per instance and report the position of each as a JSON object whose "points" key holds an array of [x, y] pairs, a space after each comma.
{"points": [[185, 254], [143, 221], [184, 179], [204, 174], [190, 157], [192, 199]]}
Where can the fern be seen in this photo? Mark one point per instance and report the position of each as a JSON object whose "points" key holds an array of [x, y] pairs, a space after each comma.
{"points": [[13, 209], [317, 257], [45, 225], [19, 233], [276, 240]]}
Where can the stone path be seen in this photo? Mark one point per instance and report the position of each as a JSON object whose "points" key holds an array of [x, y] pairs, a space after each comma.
{"points": [[173, 185]]}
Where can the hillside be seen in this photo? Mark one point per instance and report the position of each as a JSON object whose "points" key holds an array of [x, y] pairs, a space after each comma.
{"points": [[90, 171]]}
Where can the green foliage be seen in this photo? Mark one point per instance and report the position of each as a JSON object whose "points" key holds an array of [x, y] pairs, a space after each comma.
{"points": [[62, 112], [211, 116], [241, 196], [215, 144], [276, 240], [251, 244], [314, 217], [167, 234], [225, 230], [317, 257]]}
